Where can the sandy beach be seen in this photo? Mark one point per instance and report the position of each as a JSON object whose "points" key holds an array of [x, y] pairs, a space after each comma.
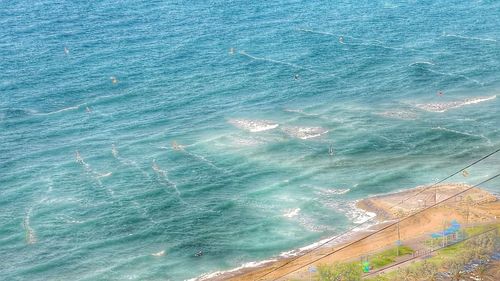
{"points": [[474, 206]]}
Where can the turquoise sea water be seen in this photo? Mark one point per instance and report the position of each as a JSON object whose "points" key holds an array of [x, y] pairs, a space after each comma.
{"points": [[197, 146]]}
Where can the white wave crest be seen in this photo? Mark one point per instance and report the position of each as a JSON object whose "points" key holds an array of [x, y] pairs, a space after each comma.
{"points": [[336, 191], [30, 232], [442, 107], [357, 215], [292, 213], [253, 125], [62, 110], [252, 264], [104, 175], [421, 62], [305, 132], [462, 133], [399, 114], [159, 254]]}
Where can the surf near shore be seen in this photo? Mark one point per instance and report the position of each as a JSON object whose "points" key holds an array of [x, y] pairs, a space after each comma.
{"points": [[483, 208]]}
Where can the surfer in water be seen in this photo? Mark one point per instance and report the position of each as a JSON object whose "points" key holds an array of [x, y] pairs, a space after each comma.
{"points": [[296, 77], [199, 253], [113, 80]]}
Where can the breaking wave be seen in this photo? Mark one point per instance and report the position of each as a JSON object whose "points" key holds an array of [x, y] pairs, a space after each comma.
{"points": [[445, 106], [399, 114], [292, 213], [253, 125], [305, 132]]}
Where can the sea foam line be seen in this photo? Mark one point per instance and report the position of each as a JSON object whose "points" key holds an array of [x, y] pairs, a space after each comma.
{"points": [[30, 232], [132, 163], [421, 62], [462, 133], [243, 53], [252, 264], [379, 44], [93, 174], [450, 74], [203, 159], [442, 107], [468, 37], [62, 110], [163, 175], [128, 162]]}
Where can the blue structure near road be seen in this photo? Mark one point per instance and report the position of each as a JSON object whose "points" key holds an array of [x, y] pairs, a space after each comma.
{"points": [[453, 229]]}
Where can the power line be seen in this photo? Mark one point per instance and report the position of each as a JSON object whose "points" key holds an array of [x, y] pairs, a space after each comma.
{"points": [[371, 219], [448, 177], [386, 227]]}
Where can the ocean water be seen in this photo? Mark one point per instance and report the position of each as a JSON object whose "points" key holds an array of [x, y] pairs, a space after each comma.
{"points": [[136, 133]]}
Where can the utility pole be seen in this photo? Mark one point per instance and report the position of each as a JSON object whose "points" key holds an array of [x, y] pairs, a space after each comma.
{"points": [[444, 226], [399, 240]]}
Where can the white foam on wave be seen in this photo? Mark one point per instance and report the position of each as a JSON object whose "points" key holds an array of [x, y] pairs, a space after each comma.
{"points": [[252, 264], [317, 32], [456, 75], [62, 110], [305, 132], [357, 215], [442, 107], [104, 175], [461, 133], [253, 125], [359, 43], [246, 142], [421, 62], [93, 174], [336, 191], [399, 114], [163, 174], [330, 241], [30, 232], [159, 254], [69, 219], [203, 159], [291, 213], [128, 162], [243, 53]]}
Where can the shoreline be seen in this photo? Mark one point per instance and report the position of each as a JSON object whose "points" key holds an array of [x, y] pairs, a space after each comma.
{"points": [[385, 211]]}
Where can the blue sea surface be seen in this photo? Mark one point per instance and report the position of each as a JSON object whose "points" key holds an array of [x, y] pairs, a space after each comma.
{"points": [[134, 134]]}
